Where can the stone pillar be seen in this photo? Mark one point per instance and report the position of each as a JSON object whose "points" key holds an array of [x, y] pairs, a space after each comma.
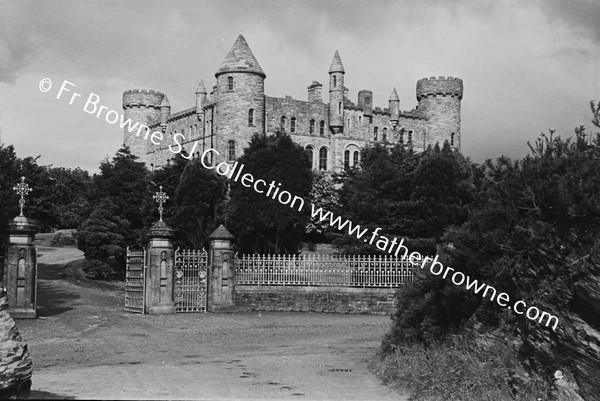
{"points": [[221, 272], [159, 279], [20, 269]]}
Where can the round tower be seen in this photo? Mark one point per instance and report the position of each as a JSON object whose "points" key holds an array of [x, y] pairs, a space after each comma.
{"points": [[336, 94], [240, 97], [439, 101], [201, 99], [141, 107], [394, 105]]}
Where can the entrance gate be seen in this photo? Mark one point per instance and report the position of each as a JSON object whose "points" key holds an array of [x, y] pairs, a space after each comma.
{"points": [[191, 280], [135, 281]]}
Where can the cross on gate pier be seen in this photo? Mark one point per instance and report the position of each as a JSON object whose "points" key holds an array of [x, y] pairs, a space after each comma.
{"points": [[160, 197], [23, 190]]}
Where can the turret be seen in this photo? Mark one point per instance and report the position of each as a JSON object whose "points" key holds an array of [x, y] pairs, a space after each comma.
{"points": [[439, 102], [165, 111], [143, 107], [336, 94], [394, 103], [200, 97], [240, 97]]}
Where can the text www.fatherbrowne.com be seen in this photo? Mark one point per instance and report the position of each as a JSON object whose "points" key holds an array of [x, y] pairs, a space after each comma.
{"points": [[435, 267], [273, 190]]}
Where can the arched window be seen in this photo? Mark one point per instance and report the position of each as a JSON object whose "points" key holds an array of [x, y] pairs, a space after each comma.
{"points": [[230, 151], [311, 129], [197, 155], [348, 123], [355, 158], [229, 83], [402, 136], [340, 108], [375, 132], [282, 122], [251, 118], [410, 137], [323, 158], [452, 139], [322, 128], [346, 160], [310, 152], [293, 125], [196, 129], [334, 81], [384, 135]]}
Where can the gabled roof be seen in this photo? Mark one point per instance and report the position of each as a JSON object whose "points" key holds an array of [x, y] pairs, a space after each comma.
{"points": [[336, 64], [240, 59]]}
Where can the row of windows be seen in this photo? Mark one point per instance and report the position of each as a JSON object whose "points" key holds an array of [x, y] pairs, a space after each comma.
{"points": [[383, 134], [311, 126], [355, 156], [323, 156]]}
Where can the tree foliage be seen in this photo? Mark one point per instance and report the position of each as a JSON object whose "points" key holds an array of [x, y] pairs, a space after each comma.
{"points": [[260, 223], [409, 195]]}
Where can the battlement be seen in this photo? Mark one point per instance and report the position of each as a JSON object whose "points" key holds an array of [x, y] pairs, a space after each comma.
{"points": [[142, 98], [440, 86]]}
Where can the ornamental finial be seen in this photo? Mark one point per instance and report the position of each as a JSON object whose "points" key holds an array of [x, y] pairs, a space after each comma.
{"points": [[23, 190], [160, 198]]}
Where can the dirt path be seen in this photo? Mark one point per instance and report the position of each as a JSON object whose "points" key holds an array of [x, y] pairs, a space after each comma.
{"points": [[85, 346]]}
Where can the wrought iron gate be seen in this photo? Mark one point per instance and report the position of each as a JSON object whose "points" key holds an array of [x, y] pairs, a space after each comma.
{"points": [[191, 280], [135, 281]]}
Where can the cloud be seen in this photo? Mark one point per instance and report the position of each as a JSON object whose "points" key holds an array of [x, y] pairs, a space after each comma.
{"points": [[17, 45]]}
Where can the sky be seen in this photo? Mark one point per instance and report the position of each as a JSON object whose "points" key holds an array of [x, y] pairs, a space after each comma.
{"points": [[527, 66]]}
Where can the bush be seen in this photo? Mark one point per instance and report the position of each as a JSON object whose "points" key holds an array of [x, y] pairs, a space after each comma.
{"points": [[97, 270], [460, 369], [61, 240]]}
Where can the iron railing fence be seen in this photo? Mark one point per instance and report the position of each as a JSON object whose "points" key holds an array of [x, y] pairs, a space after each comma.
{"points": [[324, 270]]}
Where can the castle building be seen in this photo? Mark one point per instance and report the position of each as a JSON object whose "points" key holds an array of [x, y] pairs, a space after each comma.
{"points": [[332, 132]]}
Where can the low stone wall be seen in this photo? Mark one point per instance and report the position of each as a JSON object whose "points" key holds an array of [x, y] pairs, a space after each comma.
{"points": [[377, 301]]}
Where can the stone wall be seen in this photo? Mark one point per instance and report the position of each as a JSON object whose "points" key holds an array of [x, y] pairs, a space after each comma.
{"points": [[376, 301]]}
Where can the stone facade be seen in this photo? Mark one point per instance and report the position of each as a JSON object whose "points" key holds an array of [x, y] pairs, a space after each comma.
{"points": [[333, 132]]}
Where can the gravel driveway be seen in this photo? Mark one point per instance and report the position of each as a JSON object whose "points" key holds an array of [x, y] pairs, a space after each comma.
{"points": [[84, 345]]}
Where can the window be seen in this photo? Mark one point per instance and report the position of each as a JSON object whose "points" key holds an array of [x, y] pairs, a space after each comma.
{"points": [[348, 124], [322, 128], [334, 81], [323, 158], [196, 129], [346, 160], [229, 83], [367, 100], [452, 139], [384, 135], [197, 155], [311, 129], [340, 108], [230, 151], [310, 152], [282, 122], [402, 136], [410, 137], [359, 120], [355, 158], [251, 118], [293, 125], [375, 131]]}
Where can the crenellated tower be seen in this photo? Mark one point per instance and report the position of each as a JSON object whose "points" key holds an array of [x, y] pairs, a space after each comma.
{"points": [[144, 107], [240, 97], [439, 102], [336, 95]]}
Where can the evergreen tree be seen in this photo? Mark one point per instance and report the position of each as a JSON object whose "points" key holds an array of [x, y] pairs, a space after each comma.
{"points": [[323, 194], [199, 193], [260, 223]]}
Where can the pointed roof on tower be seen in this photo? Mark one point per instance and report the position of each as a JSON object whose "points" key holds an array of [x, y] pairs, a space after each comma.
{"points": [[201, 88], [336, 64], [394, 95], [165, 102], [240, 59]]}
